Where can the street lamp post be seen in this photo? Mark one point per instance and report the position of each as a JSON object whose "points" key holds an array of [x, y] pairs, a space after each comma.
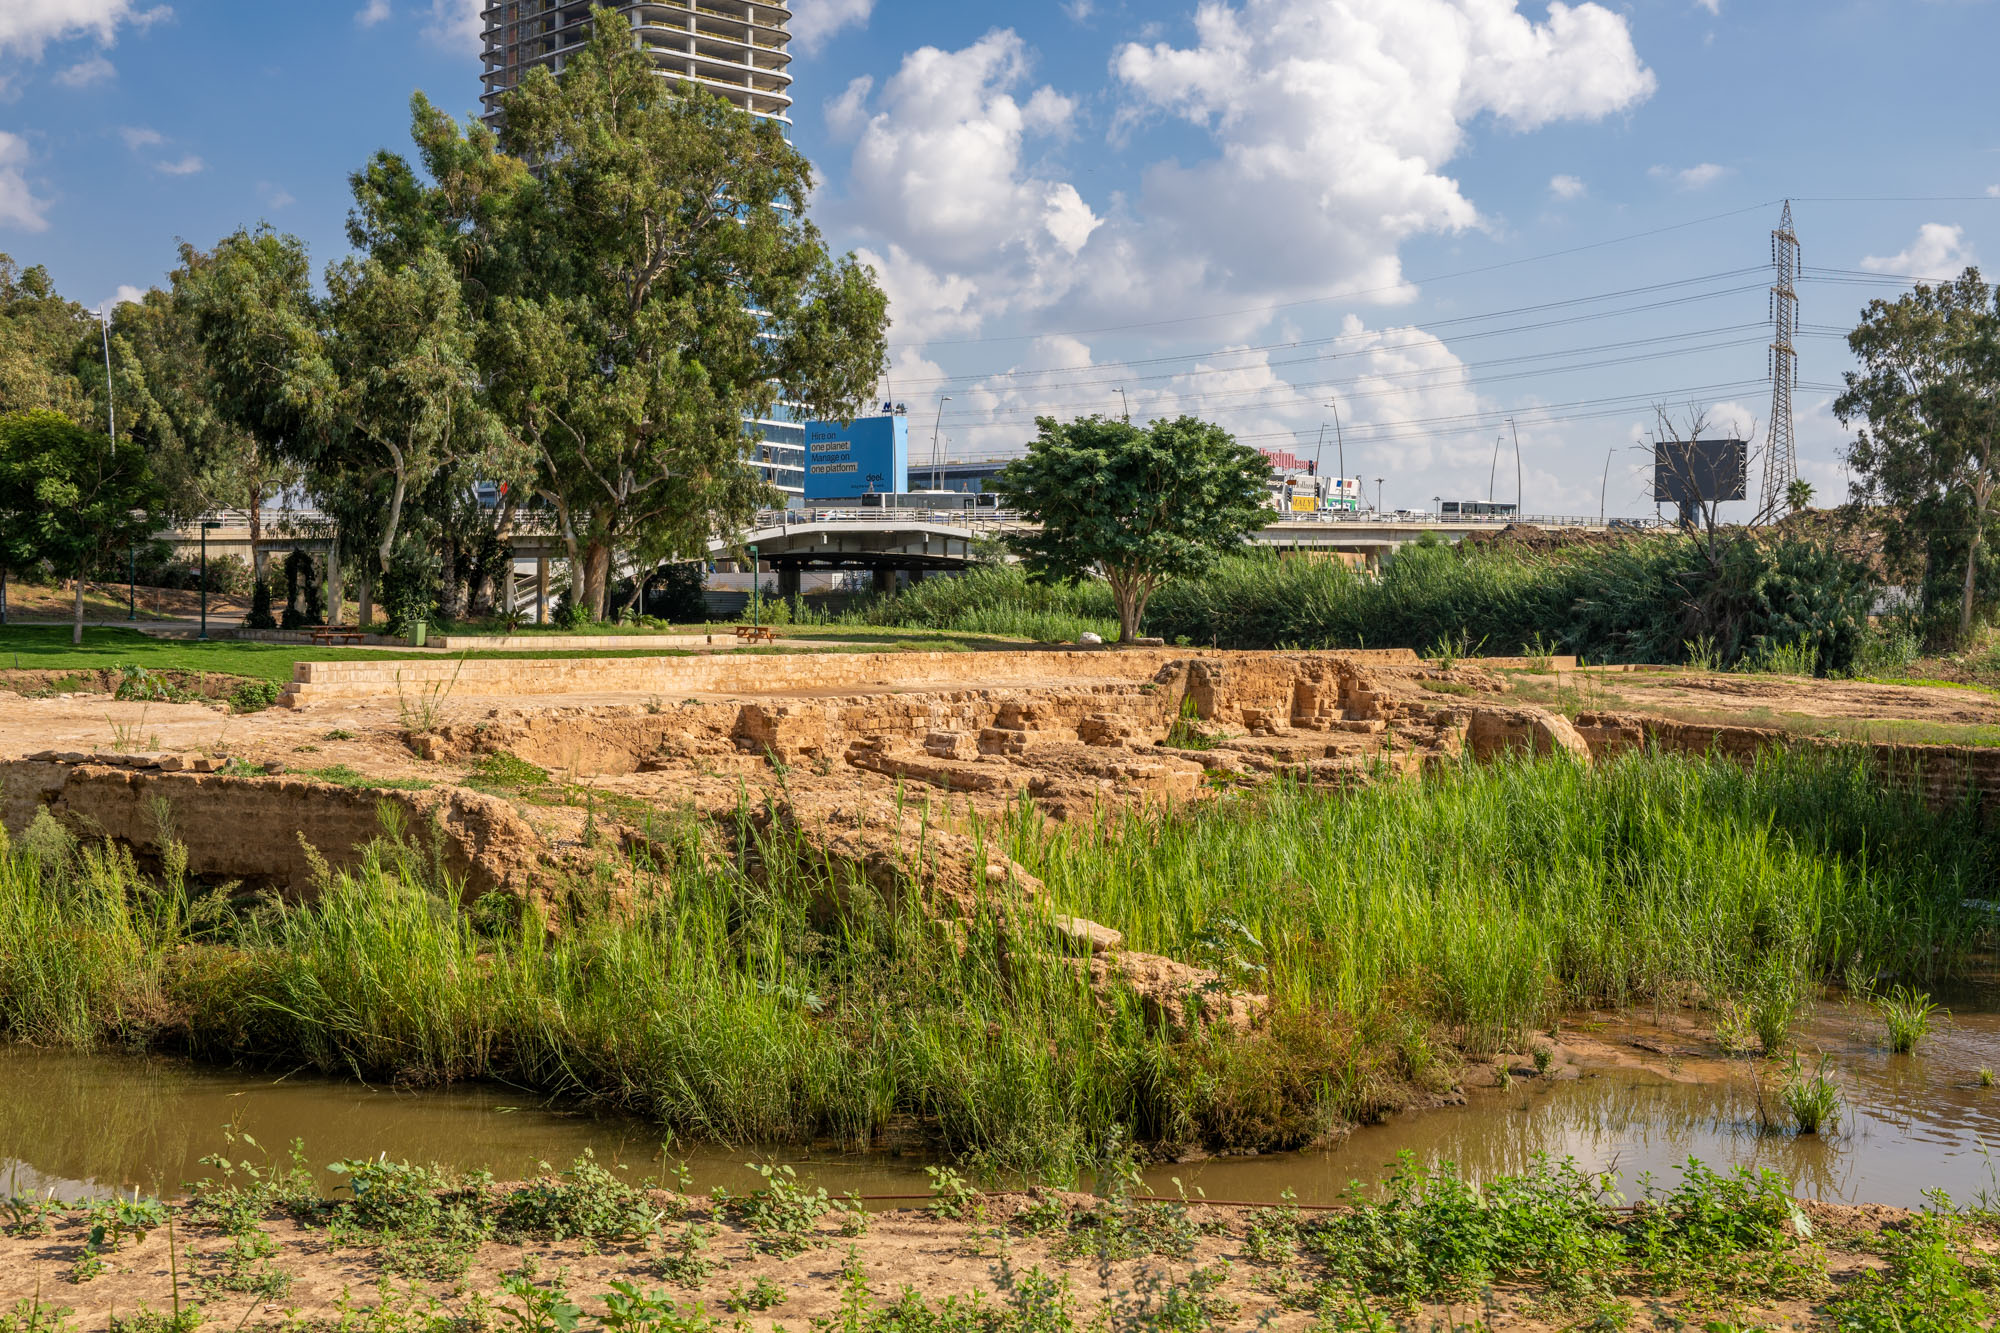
{"points": [[939, 421], [1378, 496], [753, 588], [206, 525]]}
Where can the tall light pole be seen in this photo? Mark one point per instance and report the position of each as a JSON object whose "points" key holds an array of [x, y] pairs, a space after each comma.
{"points": [[1517, 467], [1127, 401], [1378, 496], [1340, 440], [934, 440], [753, 588], [110, 409], [206, 525], [1604, 487]]}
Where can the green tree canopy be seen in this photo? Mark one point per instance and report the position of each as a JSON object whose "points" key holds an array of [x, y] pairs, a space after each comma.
{"points": [[1134, 505], [652, 282], [69, 497], [1928, 400], [40, 337]]}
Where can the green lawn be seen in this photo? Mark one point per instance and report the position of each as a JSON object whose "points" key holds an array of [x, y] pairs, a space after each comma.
{"points": [[47, 648]]}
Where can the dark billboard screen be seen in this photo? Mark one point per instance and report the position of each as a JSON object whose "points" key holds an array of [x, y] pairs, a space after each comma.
{"points": [[1687, 472]]}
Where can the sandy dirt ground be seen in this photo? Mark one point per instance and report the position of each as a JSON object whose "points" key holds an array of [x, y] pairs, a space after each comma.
{"points": [[983, 1254]]}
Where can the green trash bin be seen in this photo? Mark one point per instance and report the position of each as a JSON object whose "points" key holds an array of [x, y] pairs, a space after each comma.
{"points": [[417, 629]]}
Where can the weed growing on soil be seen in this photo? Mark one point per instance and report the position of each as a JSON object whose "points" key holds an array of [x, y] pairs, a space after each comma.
{"points": [[1907, 1015], [1933, 1282], [427, 1223], [1186, 733], [33, 1316], [685, 1262], [254, 696], [1733, 1030], [1774, 1003], [501, 773], [586, 1202], [783, 1213], [341, 775]]}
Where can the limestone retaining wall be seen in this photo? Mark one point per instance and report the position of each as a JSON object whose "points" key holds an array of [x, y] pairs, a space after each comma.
{"points": [[677, 677]]}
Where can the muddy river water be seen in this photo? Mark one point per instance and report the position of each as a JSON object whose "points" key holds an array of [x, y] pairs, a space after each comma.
{"points": [[84, 1124]]}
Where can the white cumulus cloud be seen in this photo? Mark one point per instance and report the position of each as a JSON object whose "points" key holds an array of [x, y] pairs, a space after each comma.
{"points": [[18, 205], [814, 22], [372, 13], [86, 72], [1329, 128], [28, 26], [1939, 252], [140, 136], [456, 25], [1697, 177], [1567, 187], [941, 172], [186, 166]]}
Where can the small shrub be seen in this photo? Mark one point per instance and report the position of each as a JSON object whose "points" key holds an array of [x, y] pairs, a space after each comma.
{"points": [[32, 1316], [783, 1213], [254, 696], [587, 1202], [1929, 1287], [952, 1196], [762, 1295]]}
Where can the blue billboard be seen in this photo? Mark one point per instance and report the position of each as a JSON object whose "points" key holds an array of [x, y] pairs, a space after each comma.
{"points": [[869, 455]]}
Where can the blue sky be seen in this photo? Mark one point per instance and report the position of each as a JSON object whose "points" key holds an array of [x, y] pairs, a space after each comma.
{"points": [[1437, 214]]}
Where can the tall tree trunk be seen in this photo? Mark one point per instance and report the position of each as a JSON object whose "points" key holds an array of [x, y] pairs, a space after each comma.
{"points": [[1972, 566], [365, 591], [596, 578], [76, 629]]}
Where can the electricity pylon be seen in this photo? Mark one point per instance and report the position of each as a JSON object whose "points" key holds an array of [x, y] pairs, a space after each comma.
{"points": [[1781, 463]]}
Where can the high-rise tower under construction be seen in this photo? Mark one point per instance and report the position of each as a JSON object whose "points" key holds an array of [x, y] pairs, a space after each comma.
{"points": [[735, 48]]}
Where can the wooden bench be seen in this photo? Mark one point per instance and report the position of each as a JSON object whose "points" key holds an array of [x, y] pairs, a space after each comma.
{"points": [[327, 634], [755, 634]]}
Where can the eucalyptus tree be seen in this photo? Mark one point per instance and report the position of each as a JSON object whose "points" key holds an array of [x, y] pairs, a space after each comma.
{"points": [[638, 258], [1927, 400]]}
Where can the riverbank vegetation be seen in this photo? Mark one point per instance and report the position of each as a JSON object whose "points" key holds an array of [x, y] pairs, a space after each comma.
{"points": [[1785, 602], [712, 987], [409, 1249]]}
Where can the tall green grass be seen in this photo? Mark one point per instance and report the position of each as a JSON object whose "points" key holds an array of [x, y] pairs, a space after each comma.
{"points": [[1639, 601], [996, 599], [1758, 601], [724, 997]]}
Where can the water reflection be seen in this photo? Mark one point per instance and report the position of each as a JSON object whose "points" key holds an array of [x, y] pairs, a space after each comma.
{"points": [[95, 1123], [1908, 1124]]}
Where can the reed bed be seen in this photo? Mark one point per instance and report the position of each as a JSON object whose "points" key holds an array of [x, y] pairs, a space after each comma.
{"points": [[725, 1001]]}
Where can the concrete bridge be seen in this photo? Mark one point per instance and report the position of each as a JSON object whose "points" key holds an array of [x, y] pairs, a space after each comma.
{"points": [[789, 542], [915, 540]]}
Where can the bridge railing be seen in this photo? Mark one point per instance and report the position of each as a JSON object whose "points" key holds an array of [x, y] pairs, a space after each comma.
{"points": [[779, 518]]}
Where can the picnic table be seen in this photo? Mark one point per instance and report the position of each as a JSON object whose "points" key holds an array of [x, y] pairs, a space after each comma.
{"points": [[755, 634], [327, 634]]}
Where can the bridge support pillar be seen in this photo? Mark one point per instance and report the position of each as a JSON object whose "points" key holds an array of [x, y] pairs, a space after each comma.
{"points": [[541, 590], [885, 579], [788, 584], [917, 575]]}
